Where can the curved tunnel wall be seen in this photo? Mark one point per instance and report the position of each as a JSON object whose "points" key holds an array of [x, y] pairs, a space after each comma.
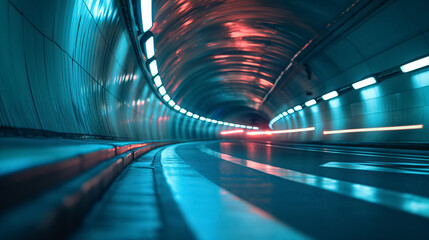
{"points": [[394, 35], [68, 68]]}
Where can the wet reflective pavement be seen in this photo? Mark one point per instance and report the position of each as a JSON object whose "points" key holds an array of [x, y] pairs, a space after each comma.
{"points": [[232, 190]]}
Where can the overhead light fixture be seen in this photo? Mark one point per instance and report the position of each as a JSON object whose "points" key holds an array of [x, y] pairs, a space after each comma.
{"points": [[231, 124], [310, 102], [363, 83], [157, 81], [290, 111], [284, 114], [189, 114], [149, 46], [220, 122], [166, 97], [255, 128], [414, 65], [297, 108], [146, 11], [208, 120], [214, 121], [171, 103], [202, 118], [153, 67], [162, 91], [177, 107], [330, 95], [225, 124], [195, 116], [183, 111]]}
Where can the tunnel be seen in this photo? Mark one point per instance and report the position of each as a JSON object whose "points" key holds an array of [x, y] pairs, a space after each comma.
{"points": [[214, 119]]}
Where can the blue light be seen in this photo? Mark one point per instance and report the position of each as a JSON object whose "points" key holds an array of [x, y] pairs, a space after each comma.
{"points": [[171, 103], [149, 46], [146, 9], [162, 91], [310, 102], [330, 95], [153, 68], [414, 65], [363, 83], [166, 97], [290, 111], [157, 81], [297, 108]]}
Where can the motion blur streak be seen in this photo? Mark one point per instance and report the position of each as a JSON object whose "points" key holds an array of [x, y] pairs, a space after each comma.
{"points": [[376, 129], [282, 131], [231, 132]]}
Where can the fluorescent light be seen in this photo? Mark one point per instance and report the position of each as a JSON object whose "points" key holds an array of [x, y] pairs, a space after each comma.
{"points": [[183, 111], [189, 114], [242, 126], [162, 91], [166, 97], [364, 83], [146, 10], [414, 65], [214, 121], [225, 123], [202, 118], [330, 95], [157, 81], [208, 120], [255, 128], [195, 116], [231, 132], [297, 108], [248, 127], [171, 103], [284, 114], [220, 122], [310, 102], [153, 68], [149, 46], [177, 107], [290, 111], [376, 129], [231, 124], [236, 125]]}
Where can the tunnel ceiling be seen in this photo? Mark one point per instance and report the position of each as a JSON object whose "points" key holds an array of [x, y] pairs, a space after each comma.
{"points": [[219, 58]]}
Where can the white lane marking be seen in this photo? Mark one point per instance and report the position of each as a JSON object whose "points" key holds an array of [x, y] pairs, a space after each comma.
{"points": [[214, 213], [357, 153], [406, 202], [405, 168]]}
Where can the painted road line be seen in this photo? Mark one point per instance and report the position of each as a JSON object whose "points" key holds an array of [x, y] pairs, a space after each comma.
{"points": [[393, 167], [214, 213], [406, 202]]}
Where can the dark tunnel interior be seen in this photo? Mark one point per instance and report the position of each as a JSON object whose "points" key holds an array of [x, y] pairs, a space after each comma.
{"points": [[109, 77]]}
